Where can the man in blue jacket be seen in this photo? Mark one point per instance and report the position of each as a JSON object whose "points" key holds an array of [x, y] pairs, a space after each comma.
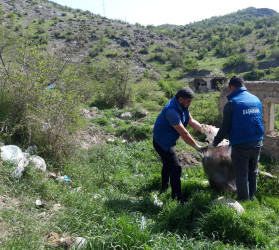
{"points": [[169, 126], [242, 121]]}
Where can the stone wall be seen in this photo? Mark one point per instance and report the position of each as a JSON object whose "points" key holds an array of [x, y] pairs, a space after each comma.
{"points": [[268, 93]]}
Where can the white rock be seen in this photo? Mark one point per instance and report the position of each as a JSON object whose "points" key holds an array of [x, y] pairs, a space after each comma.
{"points": [[231, 203]]}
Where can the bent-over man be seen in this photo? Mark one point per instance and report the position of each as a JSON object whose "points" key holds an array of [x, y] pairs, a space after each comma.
{"points": [[169, 126]]}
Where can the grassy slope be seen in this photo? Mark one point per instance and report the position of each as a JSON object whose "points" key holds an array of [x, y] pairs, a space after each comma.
{"points": [[111, 202]]}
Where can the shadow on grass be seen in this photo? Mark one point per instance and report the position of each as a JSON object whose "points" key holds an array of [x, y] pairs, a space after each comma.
{"points": [[145, 206], [153, 184]]}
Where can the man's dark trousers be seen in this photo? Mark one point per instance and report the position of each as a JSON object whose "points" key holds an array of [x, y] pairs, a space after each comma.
{"points": [[245, 162], [171, 170]]}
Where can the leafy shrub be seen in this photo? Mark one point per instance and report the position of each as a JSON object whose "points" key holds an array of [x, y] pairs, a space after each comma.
{"points": [[32, 114], [112, 81], [235, 61], [170, 87], [159, 57], [190, 65], [276, 73], [204, 108], [256, 74]]}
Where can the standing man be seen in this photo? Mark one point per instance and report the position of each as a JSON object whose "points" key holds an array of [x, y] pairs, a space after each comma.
{"points": [[242, 121], [169, 126]]}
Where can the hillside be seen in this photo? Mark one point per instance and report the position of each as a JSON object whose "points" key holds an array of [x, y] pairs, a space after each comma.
{"points": [[92, 35], [165, 51]]}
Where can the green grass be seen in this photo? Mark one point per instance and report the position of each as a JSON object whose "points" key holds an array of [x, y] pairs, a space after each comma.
{"points": [[111, 201]]}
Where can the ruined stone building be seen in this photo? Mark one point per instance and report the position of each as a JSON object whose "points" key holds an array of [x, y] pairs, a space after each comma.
{"points": [[206, 83], [268, 93]]}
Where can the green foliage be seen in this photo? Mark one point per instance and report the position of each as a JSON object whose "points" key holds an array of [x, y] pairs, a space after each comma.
{"points": [[204, 109], [32, 114], [224, 224], [256, 74], [276, 73], [135, 132], [235, 61], [112, 82], [170, 87], [190, 65]]}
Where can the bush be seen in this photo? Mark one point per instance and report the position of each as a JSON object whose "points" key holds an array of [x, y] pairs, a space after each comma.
{"points": [[190, 65], [276, 73], [170, 87], [204, 108], [256, 74], [235, 61], [112, 81], [32, 114]]}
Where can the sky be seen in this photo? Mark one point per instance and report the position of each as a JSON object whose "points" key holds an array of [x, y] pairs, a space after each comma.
{"points": [[157, 12]]}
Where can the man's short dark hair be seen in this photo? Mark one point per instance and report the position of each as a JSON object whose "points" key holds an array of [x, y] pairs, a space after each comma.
{"points": [[236, 81], [185, 92]]}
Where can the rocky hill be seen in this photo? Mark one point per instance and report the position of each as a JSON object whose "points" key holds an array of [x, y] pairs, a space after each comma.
{"points": [[168, 51]]}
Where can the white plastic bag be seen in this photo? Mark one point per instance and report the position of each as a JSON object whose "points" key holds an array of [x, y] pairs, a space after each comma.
{"points": [[19, 169], [38, 162], [11, 153]]}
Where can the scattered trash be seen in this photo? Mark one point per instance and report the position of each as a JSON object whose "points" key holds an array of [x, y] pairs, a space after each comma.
{"points": [[126, 115], [39, 203], [14, 155], [110, 140], [218, 168], [38, 162], [53, 175], [54, 241], [46, 126], [19, 169], [205, 182], [50, 87], [124, 141], [42, 215], [217, 163], [64, 179], [157, 202], [267, 175], [11, 154], [31, 150], [143, 223], [57, 206], [80, 243]]}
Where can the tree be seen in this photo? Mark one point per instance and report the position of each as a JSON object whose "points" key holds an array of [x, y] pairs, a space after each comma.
{"points": [[32, 113]]}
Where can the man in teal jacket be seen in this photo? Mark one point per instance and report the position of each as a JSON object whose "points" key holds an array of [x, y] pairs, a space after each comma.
{"points": [[169, 126], [242, 121]]}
